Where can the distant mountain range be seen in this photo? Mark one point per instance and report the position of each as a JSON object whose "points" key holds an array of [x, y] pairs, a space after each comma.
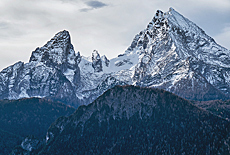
{"points": [[171, 59], [172, 53], [135, 120]]}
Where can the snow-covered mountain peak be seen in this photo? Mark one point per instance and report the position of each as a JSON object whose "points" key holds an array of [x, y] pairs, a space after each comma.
{"points": [[56, 52], [173, 49], [159, 22], [95, 56], [171, 53], [178, 20], [51, 72], [60, 39]]}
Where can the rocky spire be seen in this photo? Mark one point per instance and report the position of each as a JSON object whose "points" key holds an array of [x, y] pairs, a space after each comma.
{"points": [[78, 57], [96, 61], [105, 60]]}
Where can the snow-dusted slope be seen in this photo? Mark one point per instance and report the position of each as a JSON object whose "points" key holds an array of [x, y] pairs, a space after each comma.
{"points": [[172, 53], [52, 72], [178, 56]]}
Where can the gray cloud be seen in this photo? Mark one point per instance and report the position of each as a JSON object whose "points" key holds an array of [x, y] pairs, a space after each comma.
{"points": [[3, 25], [86, 9], [96, 4], [93, 5]]}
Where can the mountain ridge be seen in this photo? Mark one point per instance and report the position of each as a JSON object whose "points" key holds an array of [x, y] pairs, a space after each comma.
{"points": [[171, 53]]}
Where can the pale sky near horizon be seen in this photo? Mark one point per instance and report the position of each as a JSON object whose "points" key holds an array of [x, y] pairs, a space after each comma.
{"points": [[105, 25]]}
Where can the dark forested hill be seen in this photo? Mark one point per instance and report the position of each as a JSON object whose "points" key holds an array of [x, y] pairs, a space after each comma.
{"points": [[8, 141], [133, 120], [23, 117], [31, 116], [217, 107]]}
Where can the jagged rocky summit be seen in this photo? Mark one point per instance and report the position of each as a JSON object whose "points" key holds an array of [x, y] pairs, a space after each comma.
{"points": [[52, 72], [177, 55], [135, 120], [172, 53]]}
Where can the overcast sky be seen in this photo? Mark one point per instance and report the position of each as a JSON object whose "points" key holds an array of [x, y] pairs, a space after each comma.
{"points": [[106, 25]]}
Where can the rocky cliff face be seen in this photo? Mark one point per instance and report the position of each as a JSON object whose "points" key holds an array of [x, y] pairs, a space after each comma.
{"points": [[172, 53], [176, 55], [59, 53], [137, 120], [52, 72], [96, 61]]}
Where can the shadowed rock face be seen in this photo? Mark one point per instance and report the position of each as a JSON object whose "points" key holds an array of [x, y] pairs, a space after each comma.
{"points": [[96, 61], [136, 120]]}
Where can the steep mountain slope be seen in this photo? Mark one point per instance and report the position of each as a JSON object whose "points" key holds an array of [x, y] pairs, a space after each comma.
{"points": [[52, 72], [30, 116], [179, 57], [172, 53], [134, 120]]}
